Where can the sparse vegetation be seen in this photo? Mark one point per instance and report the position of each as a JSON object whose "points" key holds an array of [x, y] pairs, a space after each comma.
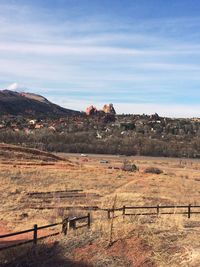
{"points": [[48, 193], [129, 166], [153, 170]]}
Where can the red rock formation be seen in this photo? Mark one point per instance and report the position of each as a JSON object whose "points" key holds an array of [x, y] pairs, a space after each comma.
{"points": [[91, 110], [109, 109]]}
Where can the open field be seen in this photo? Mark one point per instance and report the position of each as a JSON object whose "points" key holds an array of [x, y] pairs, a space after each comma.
{"points": [[38, 191]]}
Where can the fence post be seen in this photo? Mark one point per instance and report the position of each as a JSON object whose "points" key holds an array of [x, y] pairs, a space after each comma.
{"points": [[72, 224], [89, 220], [189, 211], [35, 234], [65, 226], [109, 214], [123, 211], [157, 208]]}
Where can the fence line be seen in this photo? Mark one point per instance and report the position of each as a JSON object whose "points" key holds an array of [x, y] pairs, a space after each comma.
{"points": [[67, 223], [157, 211], [71, 223]]}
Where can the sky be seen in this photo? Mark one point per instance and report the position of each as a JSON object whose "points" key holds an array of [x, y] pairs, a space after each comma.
{"points": [[141, 55]]}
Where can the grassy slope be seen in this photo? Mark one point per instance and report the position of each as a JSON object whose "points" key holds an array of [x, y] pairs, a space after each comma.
{"points": [[140, 241]]}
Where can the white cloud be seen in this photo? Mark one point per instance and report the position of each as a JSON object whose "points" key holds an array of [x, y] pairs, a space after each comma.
{"points": [[15, 87], [96, 50], [52, 49]]}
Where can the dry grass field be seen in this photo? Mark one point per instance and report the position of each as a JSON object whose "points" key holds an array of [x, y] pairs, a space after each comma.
{"points": [[44, 191]]}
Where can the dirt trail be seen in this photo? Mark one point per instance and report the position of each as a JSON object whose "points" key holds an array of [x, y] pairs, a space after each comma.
{"points": [[7, 241], [4, 242]]}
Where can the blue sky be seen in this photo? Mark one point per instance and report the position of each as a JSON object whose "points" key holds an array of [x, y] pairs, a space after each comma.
{"points": [[141, 55]]}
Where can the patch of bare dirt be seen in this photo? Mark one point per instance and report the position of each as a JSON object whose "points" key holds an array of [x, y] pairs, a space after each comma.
{"points": [[131, 251], [7, 241]]}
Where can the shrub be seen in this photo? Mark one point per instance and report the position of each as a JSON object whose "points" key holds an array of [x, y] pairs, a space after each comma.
{"points": [[153, 170], [130, 167]]}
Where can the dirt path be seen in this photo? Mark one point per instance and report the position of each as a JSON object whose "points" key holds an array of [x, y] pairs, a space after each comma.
{"points": [[4, 242]]}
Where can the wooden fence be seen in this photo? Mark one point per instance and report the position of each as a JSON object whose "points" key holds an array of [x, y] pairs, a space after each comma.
{"points": [[67, 223], [72, 223], [156, 210]]}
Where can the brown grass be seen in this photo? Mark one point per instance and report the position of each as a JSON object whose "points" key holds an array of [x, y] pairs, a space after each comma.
{"points": [[164, 241]]}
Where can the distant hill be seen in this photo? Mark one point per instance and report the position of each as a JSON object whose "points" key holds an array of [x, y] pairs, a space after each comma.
{"points": [[28, 104]]}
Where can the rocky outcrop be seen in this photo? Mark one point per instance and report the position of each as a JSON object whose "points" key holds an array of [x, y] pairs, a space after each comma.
{"points": [[109, 109], [91, 110]]}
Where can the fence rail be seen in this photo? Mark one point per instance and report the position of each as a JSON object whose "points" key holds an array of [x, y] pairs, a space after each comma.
{"points": [[67, 223], [158, 210]]}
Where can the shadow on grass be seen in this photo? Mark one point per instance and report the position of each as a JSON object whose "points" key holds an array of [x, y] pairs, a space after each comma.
{"points": [[42, 255]]}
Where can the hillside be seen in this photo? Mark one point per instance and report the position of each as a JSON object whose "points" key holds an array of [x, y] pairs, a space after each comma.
{"points": [[10, 153], [106, 134], [27, 104]]}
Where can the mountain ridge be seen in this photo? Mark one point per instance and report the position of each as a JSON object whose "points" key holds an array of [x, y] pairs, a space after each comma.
{"points": [[26, 104]]}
